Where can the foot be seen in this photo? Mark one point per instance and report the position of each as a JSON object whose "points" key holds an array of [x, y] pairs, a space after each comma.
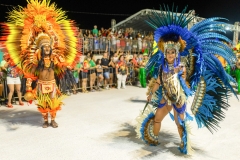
{"points": [[45, 124], [9, 105], [85, 91], [74, 92], [53, 124], [21, 103]]}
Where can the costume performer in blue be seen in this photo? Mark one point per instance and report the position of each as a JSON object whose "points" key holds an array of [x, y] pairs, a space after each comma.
{"points": [[185, 66]]}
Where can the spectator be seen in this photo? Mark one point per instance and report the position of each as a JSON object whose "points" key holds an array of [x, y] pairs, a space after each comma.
{"points": [[118, 43], [104, 32], [115, 57], [86, 34], [80, 34], [139, 39], [13, 79], [99, 33], [122, 72], [90, 35], [96, 44], [76, 72], [84, 74], [114, 42], [104, 63], [111, 71], [135, 66], [134, 44], [92, 72], [95, 31], [86, 45], [99, 70], [126, 33], [122, 43], [140, 58]]}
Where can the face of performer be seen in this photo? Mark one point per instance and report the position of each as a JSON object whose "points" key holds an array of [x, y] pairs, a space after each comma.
{"points": [[46, 49], [170, 55]]}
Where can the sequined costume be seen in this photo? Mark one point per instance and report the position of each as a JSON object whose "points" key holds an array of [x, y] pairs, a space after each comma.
{"points": [[42, 42], [202, 77]]}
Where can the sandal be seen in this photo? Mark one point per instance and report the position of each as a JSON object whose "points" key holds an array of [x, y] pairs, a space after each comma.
{"points": [[85, 91], [9, 105], [53, 124], [21, 103], [45, 124]]}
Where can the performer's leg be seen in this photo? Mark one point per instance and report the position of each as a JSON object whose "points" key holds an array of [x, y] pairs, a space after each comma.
{"points": [[159, 116], [183, 129], [179, 127], [53, 116], [45, 118]]}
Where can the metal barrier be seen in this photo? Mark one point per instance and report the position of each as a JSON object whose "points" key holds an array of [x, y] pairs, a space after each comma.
{"points": [[131, 79], [102, 44]]}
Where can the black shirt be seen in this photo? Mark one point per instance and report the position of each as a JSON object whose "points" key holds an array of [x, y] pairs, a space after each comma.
{"points": [[105, 62]]}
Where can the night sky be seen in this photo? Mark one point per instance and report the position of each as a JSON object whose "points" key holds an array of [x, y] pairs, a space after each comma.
{"points": [[229, 9]]}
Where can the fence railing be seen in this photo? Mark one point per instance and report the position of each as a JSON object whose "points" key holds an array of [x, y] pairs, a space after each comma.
{"points": [[130, 79], [101, 44]]}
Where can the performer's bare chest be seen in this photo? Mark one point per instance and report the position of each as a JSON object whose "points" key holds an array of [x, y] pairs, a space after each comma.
{"points": [[46, 74]]}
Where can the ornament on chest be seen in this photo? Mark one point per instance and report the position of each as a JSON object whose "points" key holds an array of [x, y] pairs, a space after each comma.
{"points": [[47, 62]]}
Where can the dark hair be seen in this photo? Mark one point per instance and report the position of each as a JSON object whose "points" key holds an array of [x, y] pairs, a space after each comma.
{"points": [[41, 62], [120, 57], [98, 61], [91, 55]]}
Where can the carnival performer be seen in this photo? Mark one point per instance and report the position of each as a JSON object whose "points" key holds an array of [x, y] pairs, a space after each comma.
{"points": [[185, 65], [47, 52], [142, 71]]}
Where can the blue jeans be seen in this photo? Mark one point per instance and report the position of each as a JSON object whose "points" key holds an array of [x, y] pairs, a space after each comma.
{"points": [[106, 75]]}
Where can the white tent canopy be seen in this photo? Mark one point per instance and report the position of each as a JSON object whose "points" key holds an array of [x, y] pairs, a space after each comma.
{"points": [[138, 22]]}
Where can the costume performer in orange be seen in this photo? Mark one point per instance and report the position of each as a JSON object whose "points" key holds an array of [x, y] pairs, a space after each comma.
{"points": [[48, 48]]}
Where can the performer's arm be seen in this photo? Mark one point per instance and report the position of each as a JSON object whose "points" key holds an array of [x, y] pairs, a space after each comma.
{"points": [[184, 74], [155, 88]]}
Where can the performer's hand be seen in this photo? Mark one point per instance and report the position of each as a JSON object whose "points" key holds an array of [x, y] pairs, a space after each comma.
{"points": [[176, 70], [149, 98]]}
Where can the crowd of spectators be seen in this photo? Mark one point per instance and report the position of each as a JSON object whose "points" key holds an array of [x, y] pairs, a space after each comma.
{"points": [[100, 40], [114, 69], [111, 71]]}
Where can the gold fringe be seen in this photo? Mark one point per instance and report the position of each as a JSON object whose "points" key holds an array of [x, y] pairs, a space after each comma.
{"points": [[44, 101], [150, 85]]}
